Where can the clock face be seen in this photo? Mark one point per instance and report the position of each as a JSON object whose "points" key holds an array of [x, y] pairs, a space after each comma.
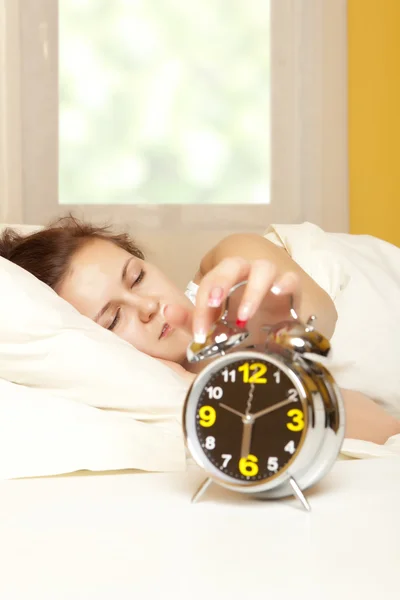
{"points": [[250, 420]]}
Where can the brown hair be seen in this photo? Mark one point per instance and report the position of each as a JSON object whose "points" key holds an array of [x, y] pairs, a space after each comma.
{"points": [[47, 253]]}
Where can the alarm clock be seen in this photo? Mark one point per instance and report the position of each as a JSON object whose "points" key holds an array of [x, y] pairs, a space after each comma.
{"points": [[266, 419]]}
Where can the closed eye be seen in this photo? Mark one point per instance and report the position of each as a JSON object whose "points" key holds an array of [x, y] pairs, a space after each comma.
{"points": [[139, 278], [115, 321]]}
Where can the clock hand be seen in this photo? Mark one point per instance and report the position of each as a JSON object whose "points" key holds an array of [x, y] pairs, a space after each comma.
{"points": [[246, 439], [248, 422], [232, 410], [265, 411], [236, 412]]}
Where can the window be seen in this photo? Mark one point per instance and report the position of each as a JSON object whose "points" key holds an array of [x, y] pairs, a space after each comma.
{"points": [[302, 80], [164, 102]]}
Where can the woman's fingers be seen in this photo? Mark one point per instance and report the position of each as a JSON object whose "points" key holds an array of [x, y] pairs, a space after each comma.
{"points": [[213, 290], [264, 287], [179, 317], [262, 278], [289, 285], [259, 281]]}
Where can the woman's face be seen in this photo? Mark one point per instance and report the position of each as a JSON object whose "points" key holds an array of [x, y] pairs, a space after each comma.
{"points": [[125, 294]]}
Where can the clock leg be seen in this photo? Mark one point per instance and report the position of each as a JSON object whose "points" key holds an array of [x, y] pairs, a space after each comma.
{"points": [[299, 494], [201, 490]]}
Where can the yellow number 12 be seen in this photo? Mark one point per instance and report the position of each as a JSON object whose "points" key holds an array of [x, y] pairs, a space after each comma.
{"points": [[257, 377]]}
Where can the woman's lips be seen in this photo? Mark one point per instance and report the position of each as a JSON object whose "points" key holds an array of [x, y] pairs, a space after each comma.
{"points": [[166, 330]]}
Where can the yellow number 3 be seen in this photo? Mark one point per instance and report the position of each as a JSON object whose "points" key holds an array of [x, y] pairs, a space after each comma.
{"points": [[297, 423]]}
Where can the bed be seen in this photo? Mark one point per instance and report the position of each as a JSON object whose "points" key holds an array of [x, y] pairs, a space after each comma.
{"points": [[96, 533], [136, 535]]}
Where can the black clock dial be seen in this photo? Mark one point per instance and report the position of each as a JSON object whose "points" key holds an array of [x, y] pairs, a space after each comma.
{"points": [[250, 421]]}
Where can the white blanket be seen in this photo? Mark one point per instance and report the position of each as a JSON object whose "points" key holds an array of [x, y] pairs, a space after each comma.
{"points": [[362, 276], [360, 449]]}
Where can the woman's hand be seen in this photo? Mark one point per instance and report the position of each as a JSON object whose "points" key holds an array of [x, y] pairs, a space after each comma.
{"points": [[265, 293], [264, 289]]}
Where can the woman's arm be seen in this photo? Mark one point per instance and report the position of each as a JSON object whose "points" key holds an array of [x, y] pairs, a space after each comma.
{"points": [[252, 257], [366, 420]]}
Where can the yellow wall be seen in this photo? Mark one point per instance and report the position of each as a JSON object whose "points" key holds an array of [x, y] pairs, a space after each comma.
{"points": [[374, 117]]}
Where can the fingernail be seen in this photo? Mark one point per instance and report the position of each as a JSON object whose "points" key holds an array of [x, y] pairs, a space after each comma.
{"points": [[244, 312], [241, 324], [199, 337], [276, 290], [215, 298]]}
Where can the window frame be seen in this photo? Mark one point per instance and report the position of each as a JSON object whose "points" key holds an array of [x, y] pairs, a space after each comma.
{"points": [[309, 170]]}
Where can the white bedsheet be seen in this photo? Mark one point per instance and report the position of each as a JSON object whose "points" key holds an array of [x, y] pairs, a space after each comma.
{"points": [[361, 449], [136, 535]]}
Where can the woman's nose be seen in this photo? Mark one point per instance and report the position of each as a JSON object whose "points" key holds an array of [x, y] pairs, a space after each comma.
{"points": [[147, 307]]}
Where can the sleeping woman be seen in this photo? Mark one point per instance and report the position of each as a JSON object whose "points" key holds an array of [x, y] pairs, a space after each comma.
{"points": [[351, 283]]}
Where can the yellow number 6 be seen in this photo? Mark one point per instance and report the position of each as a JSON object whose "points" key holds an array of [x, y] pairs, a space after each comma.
{"points": [[297, 423], [248, 466], [207, 416]]}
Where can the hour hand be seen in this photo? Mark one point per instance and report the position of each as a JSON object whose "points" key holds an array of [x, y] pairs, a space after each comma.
{"points": [[232, 410], [246, 439], [269, 409]]}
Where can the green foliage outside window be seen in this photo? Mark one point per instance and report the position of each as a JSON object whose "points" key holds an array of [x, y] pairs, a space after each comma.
{"points": [[164, 101]]}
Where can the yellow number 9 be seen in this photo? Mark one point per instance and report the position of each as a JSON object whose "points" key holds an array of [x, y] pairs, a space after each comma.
{"points": [[297, 423], [248, 466], [207, 416]]}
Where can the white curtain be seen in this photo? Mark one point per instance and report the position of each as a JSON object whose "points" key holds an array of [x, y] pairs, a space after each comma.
{"points": [[309, 124], [11, 209]]}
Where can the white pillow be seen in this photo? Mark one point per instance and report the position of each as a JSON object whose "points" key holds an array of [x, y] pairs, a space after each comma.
{"points": [[43, 434], [46, 344]]}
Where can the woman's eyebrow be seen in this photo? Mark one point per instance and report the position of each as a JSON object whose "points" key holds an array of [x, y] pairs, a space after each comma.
{"points": [[123, 277]]}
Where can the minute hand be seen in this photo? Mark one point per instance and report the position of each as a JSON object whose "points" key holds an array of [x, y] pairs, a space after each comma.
{"points": [[265, 411]]}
